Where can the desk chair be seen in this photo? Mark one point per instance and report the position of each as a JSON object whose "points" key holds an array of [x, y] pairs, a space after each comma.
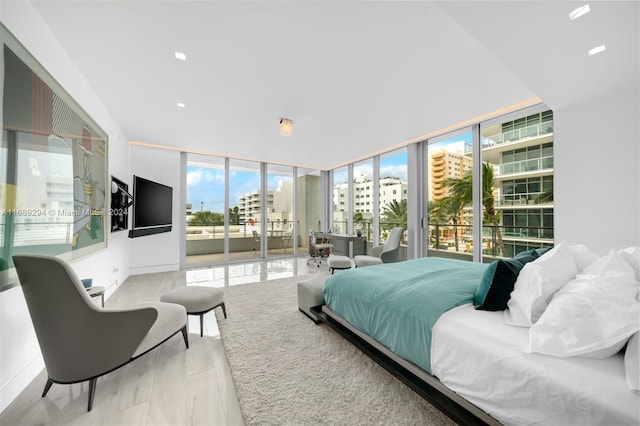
{"points": [[320, 247]]}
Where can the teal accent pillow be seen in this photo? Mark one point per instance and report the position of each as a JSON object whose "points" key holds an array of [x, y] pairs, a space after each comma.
{"points": [[531, 252], [497, 283], [543, 250]]}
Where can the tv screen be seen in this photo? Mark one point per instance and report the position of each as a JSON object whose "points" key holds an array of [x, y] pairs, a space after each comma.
{"points": [[152, 203]]}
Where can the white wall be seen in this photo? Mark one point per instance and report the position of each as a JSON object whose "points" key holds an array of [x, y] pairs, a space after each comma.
{"points": [[20, 359], [159, 252], [597, 185], [597, 172]]}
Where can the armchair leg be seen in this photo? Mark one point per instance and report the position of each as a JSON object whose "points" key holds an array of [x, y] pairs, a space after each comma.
{"points": [[47, 387], [224, 310], [92, 392], [185, 336]]}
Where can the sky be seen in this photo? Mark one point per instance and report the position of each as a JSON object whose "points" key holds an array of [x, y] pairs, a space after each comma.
{"points": [[205, 185]]}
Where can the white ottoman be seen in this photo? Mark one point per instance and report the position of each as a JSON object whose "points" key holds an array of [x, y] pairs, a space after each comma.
{"points": [[335, 261], [311, 293], [197, 300]]}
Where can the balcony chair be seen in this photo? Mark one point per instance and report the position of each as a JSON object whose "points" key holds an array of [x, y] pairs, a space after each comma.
{"points": [[386, 253], [80, 340], [256, 243]]}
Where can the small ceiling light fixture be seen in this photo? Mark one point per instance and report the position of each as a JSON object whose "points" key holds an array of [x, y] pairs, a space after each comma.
{"points": [[181, 56], [286, 127], [578, 12], [180, 105], [596, 50]]}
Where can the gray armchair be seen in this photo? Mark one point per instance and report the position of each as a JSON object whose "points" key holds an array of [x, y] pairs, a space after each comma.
{"points": [[80, 340], [386, 253]]}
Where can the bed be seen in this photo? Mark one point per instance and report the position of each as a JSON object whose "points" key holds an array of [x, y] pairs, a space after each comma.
{"points": [[417, 319]]}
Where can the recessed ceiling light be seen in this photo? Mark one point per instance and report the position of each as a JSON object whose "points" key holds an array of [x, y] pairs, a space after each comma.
{"points": [[582, 10], [181, 56], [180, 105], [597, 50]]}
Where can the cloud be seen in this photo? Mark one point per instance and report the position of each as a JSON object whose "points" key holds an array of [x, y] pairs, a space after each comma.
{"points": [[214, 176], [194, 178], [395, 170]]}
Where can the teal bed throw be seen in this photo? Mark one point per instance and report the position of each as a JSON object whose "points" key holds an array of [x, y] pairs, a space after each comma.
{"points": [[399, 303]]}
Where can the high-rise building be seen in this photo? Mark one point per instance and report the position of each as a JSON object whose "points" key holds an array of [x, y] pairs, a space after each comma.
{"points": [[522, 152], [446, 162], [279, 202]]}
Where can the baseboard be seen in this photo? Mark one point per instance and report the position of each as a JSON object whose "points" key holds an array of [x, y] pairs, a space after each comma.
{"points": [[20, 381]]}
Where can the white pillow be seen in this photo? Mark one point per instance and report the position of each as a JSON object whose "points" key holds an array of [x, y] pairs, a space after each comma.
{"points": [[632, 362], [582, 256], [593, 316], [632, 256], [536, 284]]}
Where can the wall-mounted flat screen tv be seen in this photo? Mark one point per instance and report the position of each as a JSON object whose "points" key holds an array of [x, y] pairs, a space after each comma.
{"points": [[152, 207]]}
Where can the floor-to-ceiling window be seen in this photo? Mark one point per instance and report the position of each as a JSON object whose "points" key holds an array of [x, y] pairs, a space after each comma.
{"points": [[279, 217], [393, 184], [204, 232], [260, 221], [340, 199], [450, 194], [245, 231], [362, 198]]}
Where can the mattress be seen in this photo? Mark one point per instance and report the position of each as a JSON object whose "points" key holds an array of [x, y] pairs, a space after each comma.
{"points": [[479, 357], [398, 303]]}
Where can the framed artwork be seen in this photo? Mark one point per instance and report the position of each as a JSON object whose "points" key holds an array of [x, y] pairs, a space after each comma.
{"points": [[53, 166]]}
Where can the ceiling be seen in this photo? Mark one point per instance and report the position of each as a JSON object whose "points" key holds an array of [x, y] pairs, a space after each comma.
{"points": [[355, 77]]}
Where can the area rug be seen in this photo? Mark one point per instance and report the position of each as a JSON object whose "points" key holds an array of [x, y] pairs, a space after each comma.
{"points": [[289, 371]]}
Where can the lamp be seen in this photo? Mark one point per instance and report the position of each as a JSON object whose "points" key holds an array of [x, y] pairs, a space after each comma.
{"points": [[286, 127]]}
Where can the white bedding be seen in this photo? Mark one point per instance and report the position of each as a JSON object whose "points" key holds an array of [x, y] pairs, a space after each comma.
{"points": [[476, 355]]}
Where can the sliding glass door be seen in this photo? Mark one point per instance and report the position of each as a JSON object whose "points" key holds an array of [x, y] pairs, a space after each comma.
{"points": [[279, 217], [205, 209], [340, 201], [393, 201], [450, 195], [245, 230]]}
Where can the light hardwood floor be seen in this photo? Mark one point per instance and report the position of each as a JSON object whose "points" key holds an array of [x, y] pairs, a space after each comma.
{"points": [[168, 386]]}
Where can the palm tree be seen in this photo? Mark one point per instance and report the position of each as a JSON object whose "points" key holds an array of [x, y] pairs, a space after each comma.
{"points": [[395, 214], [358, 221], [462, 189], [234, 215], [437, 214], [545, 197], [453, 208]]}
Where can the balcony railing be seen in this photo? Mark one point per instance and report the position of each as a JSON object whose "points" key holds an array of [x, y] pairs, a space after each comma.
{"points": [[366, 228], [514, 238], [534, 164], [243, 230], [527, 198], [533, 131]]}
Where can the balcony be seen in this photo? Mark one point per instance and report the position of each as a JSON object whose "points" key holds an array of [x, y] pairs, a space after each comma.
{"points": [[206, 243], [528, 199], [525, 166], [529, 132]]}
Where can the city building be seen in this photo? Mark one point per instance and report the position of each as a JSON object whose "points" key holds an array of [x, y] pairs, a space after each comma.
{"points": [[522, 152]]}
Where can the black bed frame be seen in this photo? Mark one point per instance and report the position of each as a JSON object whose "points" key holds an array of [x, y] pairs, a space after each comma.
{"points": [[456, 410]]}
